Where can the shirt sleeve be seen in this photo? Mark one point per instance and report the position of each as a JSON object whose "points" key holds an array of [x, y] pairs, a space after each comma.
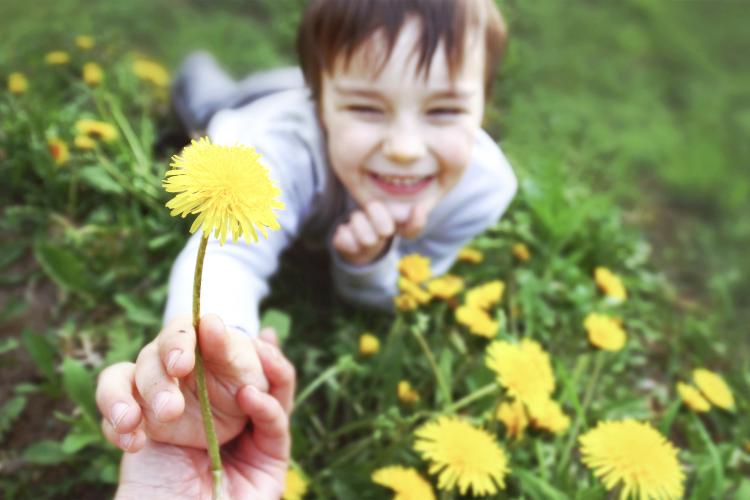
{"points": [[477, 202], [235, 275]]}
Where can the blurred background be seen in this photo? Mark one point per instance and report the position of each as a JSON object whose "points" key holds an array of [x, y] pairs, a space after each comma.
{"points": [[639, 108]]}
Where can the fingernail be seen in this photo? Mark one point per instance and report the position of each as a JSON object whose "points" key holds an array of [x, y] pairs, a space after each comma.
{"points": [[119, 410], [172, 358], [126, 440], [161, 401], [269, 351]]}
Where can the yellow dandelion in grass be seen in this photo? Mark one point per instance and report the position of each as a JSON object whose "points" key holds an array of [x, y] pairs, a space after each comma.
{"points": [[636, 456], [151, 71], [471, 255], [478, 321], [92, 74], [445, 287], [406, 393], [227, 187], [17, 83], [604, 332], [610, 284], [369, 344], [57, 57], [714, 388], [59, 151], [462, 456], [405, 302], [486, 295], [408, 287], [547, 414], [295, 485], [523, 369], [84, 42], [407, 483], [84, 142], [692, 398], [513, 416], [96, 129], [415, 267], [521, 252]]}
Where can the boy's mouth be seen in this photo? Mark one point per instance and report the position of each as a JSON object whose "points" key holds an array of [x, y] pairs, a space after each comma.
{"points": [[401, 184]]}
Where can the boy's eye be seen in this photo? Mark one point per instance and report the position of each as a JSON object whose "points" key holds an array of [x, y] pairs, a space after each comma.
{"points": [[445, 111], [363, 109]]}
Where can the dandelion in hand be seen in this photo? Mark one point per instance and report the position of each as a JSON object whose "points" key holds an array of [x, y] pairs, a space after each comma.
{"points": [[295, 486], [227, 187], [405, 482], [635, 456], [463, 456]]}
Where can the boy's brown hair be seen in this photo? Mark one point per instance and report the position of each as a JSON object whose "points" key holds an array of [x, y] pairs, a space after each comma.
{"points": [[330, 28]]}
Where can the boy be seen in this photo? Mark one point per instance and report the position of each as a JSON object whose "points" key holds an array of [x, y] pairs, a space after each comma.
{"points": [[382, 156]]}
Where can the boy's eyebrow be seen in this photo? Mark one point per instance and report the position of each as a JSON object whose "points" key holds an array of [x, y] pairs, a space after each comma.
{"points": [[449, 93], [362, 91]]}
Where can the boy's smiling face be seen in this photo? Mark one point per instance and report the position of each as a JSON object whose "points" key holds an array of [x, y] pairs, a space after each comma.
{"points": [[397, 136]]}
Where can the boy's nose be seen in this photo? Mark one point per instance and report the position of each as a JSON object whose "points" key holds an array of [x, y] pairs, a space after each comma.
{"points": [[404, 145]]}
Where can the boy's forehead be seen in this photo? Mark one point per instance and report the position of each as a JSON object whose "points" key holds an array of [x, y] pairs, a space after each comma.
{"points": [[371, 60]]}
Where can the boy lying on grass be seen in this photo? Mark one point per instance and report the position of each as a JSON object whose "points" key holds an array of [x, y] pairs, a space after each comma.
{"points": [[380, 155]]}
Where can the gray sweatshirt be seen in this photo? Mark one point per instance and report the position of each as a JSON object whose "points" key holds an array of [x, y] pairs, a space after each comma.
{"points": [[285, 131]]}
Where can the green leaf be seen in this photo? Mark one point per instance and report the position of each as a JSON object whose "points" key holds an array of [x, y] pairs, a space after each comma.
{"points": [[77, 440], [279, 321], [45, 452], [713, 452], [41, 352], [97, 178], [9, 412], [536, 487], [62, 266], [136, 311], [79, 385], [7, 345]]}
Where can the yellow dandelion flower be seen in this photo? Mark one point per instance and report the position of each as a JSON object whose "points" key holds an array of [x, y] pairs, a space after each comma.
{"points": [[408, 287], [59, 151], [84, 142], [17, 83], [471, 255], [92, 74], [548, 415], [714, 388], [406, 393], [369, 344], [415, 267], [610, 284], [636, 455], [478, 321], [521, 252], [513, 416], [84, 42], [407, 483], [405, 302], [57, 57], [604, 332], [692, 398], [151, 71], [227, 187], [445, 287], [463, 456], [96, 129], [486, 295], [523, 369], [295, 485]]}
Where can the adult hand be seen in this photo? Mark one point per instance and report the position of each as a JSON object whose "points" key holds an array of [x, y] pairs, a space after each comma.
{"points": [[254, 464]]}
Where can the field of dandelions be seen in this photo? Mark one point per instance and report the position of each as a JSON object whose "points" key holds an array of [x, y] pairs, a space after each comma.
{"points": [[593, 344]]}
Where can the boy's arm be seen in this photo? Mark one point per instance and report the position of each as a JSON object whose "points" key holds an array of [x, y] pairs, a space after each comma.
{"points": [[476, 203]]}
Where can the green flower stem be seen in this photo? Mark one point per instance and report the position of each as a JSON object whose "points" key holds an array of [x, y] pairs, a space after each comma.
{"points": [[200, 376], [587, 397], [331, 372], [480, 393], [444, 389]]}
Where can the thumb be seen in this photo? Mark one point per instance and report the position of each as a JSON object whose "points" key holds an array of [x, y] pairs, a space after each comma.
{"points": [[416, 222]]}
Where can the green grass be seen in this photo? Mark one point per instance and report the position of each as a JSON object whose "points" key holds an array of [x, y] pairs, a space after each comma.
{"points": [[626, 123]]}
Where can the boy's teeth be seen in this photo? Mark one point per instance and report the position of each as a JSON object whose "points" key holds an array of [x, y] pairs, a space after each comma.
{"points": [[400, 180]]}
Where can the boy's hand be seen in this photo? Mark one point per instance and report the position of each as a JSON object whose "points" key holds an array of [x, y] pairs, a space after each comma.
{"points": [[157, 396], [366, 234]]}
